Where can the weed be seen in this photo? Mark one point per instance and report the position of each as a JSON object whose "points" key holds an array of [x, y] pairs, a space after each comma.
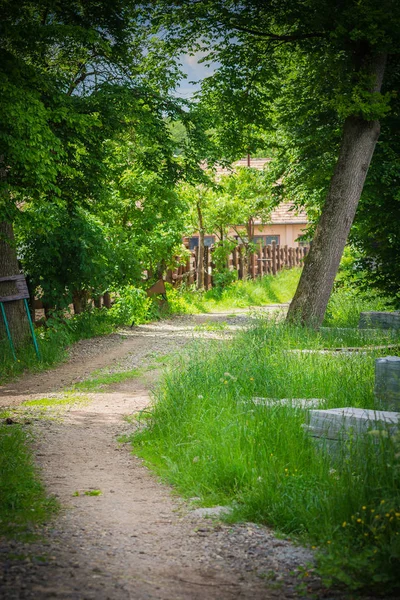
{"points": [[92, 493]]}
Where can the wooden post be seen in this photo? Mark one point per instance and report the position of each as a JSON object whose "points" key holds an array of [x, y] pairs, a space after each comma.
{"points": [[253, 265], [212, 267], [191, 269], [235, 261], [268, 262], [205, 267], [273, 258], [285, 251], [279, 258], [260, 262], [241, 263]]}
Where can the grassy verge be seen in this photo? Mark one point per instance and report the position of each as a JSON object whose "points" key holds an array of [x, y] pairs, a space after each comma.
{"points": [[241, 294], [53, 341], [212, 441], [23, 501]]}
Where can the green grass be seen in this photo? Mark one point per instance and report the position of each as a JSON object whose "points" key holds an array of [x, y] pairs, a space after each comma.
{"points": [[106, 379], [241, 294], [23, 500], [53, 341], [65, 400], [211, 441], [346, 303]]}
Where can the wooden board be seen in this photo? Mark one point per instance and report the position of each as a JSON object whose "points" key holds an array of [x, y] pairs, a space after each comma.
{"points": [[20, 284]]}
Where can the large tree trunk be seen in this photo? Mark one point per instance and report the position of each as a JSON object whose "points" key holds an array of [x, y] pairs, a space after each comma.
{"points": [[321, 265], [15, 310]]}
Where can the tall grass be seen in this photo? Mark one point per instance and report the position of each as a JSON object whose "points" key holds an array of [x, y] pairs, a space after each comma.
{"points": [[53, 340], [23, 501], [212, 441], [240, 294]]}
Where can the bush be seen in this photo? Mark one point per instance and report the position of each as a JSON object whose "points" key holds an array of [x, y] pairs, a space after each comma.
{"points": [[132, 305]]}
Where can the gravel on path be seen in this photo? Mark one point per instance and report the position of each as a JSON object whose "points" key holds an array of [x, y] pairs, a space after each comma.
{"points": [[136, 539]]}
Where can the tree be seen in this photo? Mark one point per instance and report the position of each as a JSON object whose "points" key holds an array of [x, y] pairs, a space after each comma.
{"points": [[72, 76], [198, 197], [347, 43]]}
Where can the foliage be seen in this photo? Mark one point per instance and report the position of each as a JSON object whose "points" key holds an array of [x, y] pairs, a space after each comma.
{"points": [[212, 441], [23, 500], [297, 74], [87, 158], [131, 306], [54, 339]]}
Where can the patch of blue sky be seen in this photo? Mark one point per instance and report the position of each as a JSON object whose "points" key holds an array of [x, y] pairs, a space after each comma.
{"points": [[195, 72]]}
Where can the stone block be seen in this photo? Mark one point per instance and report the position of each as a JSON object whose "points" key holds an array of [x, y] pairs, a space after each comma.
{"points": [[332, 427], [387, 382], [379, 320], [303, 403]]}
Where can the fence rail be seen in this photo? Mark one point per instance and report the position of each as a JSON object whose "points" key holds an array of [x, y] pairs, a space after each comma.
{"points": [[267, 260]]}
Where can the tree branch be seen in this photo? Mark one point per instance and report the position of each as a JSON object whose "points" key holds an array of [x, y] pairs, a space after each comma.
{"points": [[79, 80], [282, 38]]}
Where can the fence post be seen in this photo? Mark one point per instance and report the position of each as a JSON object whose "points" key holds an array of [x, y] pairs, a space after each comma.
{"points": [[285, 253], [205, 267], [273, 258], [260, 262], [268, 256], [212, 267], [241, 263], [253, 265], [278, 256], [235, 259]]}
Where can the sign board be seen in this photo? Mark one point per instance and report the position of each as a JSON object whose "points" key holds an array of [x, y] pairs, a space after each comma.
{"points": [[20, 284]]}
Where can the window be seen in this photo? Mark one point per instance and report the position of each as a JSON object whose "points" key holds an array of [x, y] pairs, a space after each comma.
{"points": [[272, 238], [194, 241], [266, 240], [241, 239], [259, 239]]}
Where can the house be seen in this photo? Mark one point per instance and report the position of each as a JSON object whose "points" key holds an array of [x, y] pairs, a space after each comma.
{"points": [[285, 226]]}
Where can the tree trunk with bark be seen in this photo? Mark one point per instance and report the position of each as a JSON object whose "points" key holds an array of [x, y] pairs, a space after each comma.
{"points": [[321, 265], [15, 310]]}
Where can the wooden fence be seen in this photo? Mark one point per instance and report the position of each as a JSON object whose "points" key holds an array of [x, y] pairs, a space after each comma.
{"points": [[268, 260]]}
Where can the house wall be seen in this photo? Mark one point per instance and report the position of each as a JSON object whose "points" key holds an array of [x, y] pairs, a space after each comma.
{"points": [[288, 233]]}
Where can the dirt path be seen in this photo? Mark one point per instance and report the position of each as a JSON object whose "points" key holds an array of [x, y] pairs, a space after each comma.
{"points": [[136, 540]]}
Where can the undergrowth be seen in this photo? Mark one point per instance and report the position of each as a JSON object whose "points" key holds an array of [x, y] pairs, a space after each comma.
{"points": [[23, 500], [211, 441], [239, 294]]}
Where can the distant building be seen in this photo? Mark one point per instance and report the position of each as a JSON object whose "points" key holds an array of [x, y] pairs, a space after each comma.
{"points": [[285, 226]]}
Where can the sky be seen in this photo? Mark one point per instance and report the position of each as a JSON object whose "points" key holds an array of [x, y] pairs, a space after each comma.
{"points": [[195, 71]]}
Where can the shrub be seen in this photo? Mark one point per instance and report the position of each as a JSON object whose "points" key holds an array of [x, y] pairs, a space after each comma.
{"points": [[132, 305]]}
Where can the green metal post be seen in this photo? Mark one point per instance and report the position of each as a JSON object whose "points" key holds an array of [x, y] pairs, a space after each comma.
{"points": [[32, 330], [8, 331]]}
